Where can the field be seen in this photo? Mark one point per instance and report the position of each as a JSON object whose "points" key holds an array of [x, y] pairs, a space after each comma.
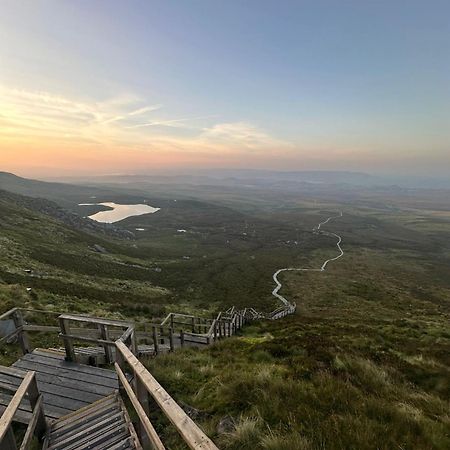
{"points": [[364, 363]]}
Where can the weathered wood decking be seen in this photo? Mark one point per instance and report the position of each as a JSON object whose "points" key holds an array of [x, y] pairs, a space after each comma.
{"points": [[65, 386]]}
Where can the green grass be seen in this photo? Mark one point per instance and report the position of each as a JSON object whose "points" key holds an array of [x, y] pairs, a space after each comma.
{"points": [[365, 362]]}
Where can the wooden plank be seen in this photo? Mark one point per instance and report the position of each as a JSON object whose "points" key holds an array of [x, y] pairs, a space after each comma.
{"points": [[186, 427], [73, 375], [135, 440], [11, 371], [125, 444], [96, 320], [8, 415], [95, 437], [73, 337], [78, 435], [40, 328], [39, 356], [145, 421], [91, 416], [23, 414], [74, 416], [59, 389]]}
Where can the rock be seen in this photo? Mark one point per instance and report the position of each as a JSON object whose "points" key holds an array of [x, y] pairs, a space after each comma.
{"points": [[192, 412], [226, 425], [99, 248]]}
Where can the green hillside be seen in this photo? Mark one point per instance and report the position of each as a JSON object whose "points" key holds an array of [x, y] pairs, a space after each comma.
{"points": [[363, 364]]}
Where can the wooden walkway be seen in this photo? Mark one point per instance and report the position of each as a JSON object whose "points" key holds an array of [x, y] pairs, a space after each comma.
{"points": [[50, 389], [65, 386]]}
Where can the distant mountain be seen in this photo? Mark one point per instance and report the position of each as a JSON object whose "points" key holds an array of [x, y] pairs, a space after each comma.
{"points": [[269, 177], [66, 195]]}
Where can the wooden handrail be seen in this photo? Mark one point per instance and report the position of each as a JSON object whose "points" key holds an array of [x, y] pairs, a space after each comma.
{"points": [[29, 386], [95, 320], [7, 315], [145, 421], [194, 437]]}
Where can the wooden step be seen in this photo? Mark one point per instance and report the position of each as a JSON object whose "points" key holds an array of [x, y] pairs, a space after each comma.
{"points": [[103, 425]]}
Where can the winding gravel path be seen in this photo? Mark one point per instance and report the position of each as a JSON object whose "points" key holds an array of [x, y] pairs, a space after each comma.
{"points": [[316, 230]]}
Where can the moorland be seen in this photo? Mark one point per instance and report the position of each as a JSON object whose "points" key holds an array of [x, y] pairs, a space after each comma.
{"points": [[363, 364]]}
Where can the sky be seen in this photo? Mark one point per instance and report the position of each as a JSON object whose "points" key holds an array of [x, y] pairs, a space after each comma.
{"points": [[102, 87]]}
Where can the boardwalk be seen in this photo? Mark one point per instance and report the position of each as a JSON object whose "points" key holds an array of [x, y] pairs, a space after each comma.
{"points": [[65, 386], [316, 229]]}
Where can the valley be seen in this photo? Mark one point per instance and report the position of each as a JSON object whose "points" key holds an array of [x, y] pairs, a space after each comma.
{"points": [[365, 357]]}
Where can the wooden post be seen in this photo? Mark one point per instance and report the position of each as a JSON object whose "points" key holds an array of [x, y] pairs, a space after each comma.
{"points": [[161, 334], [33, 396], [193, 324], [104, 334], [134, 344], [22, 336], [171, 339], [68, 344], [182, 338], [171, 320], [155, 341], [215, 331], [143, 398]]}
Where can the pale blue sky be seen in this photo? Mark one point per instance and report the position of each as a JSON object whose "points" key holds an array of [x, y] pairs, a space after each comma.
{"points": [[315, 84]]}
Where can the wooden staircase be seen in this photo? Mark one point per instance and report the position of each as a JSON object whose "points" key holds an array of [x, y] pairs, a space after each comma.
{"points": [[69, 405], [104, 424]]}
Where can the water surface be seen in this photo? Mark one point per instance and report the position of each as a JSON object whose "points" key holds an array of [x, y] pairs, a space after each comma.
{"points": [[119, 212]]}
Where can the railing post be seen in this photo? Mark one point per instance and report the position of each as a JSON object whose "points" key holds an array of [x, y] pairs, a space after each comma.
{"points": [[155, 341], [33, 396], [108, 350], [193, 324], [215, 331], [171, 339], [68, 345], [22, 336], [134, 344], [182, 338], [143, 398]]}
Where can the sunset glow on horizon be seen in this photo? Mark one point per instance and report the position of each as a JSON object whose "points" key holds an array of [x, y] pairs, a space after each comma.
{"points": [[117, 87]]}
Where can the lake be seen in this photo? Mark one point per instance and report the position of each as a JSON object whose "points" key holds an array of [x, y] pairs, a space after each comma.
{"points": [[119, 212]]}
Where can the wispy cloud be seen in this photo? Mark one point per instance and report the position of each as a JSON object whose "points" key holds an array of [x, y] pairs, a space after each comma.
{"points": [[169, 123], [242, 135], [145, 109], [126, 127]]}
